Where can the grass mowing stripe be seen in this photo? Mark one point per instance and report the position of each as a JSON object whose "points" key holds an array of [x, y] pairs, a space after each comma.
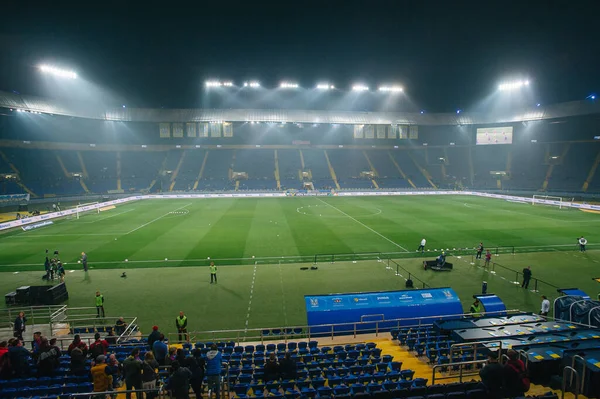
{"points": [[158, 218], [364, 225]]}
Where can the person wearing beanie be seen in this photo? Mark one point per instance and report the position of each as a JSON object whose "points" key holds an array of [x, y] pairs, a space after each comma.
{"points": [[101, 375], [154, 336]]}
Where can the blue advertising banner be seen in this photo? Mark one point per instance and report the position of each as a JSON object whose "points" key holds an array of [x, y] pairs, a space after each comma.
{"points": [[379, 306]]}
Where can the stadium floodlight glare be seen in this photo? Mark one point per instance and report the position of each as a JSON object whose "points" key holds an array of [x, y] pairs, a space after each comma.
{"points": [[213, 83], [253, 84], [392, 89], [288, 85], [228, 84], [513, 85], [325, 86], [62, 73], [359, 87]]}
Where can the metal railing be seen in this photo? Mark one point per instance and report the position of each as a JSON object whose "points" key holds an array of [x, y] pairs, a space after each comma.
{"points": [[564, 381], [578, 389], [516, 277], [410, 276], [460, 365], [159, 391], [324, 330], [34, 314]]}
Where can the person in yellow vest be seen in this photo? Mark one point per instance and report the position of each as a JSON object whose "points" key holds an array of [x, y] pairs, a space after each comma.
{"points": [[99, 304], [181, 324], [102, 376], [475, 308], [213, 273]]}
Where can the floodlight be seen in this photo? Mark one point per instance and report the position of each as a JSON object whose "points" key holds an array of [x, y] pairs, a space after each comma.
{"points": [[288, 85], [360, 87], [422, 111], [458, 111], [325, 86], [213, 83], [228, 84], [392, 89], [538, 104], [63, 73], [513, 85]]}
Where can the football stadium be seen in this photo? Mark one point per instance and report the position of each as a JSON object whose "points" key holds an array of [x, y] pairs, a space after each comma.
{"points": [[286, 241]]}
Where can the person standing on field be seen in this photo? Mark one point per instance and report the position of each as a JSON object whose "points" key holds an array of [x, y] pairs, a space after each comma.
{"points": [[582, 244], [545, 306], [479, 251], [488, 258], [213, 273], [526, 277], [181, 324], [99, 304], [422, 246], [84, 261]]}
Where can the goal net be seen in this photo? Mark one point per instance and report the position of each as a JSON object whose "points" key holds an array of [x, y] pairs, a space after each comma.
{"points": [[83, 209], [547, 200]]}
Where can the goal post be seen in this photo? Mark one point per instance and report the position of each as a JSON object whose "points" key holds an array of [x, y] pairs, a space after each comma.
{"points": [[82, 211], [547, 200]]}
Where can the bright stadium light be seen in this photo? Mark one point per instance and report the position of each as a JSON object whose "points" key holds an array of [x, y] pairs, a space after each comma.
{"points": [[325, 86], [359, 87], [288, 85], [213, 83], [391, 89], [62, 73], [228, 84], [252, 84], [513, 85]]}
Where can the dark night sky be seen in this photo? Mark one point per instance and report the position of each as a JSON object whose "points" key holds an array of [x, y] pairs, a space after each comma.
{"points": [[447, 54]]}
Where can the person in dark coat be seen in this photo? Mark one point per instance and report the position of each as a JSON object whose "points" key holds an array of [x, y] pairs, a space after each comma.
{"points": [[196, 364], [154, 336], [19, 359], [492, 376], [77, 343], [77, 362], [288, 367], [149, 375], [179, 382], [272, 368], [132, 370], [48, 358], [19, 326]]}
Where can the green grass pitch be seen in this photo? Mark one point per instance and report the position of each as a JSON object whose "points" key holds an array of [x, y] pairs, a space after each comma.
{"points": [[158, 237]]}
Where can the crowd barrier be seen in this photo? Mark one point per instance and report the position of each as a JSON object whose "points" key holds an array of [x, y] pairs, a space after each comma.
{"points": [[54, 215]]}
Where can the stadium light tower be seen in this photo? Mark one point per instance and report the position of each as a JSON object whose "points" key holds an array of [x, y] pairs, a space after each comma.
{"points": [[61, 73], [360, 87], [391, 89], [513, 85], [252, 84], [325, 86], [288, 85]]}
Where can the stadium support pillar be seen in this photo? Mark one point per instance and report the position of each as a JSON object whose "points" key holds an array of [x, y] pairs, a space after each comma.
{"points": [[401, 171], [277, 171], [423, 171], [119, 170], [82, 165], [471, 169], [375, 183], [62, 166], [176, 172], [201, 173], [14, 169], [84, 186], [331, 171], [301, 159], [370, 164], [591, 173]]}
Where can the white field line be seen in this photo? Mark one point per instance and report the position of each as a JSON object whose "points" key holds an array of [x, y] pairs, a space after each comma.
{"points": [[107, 217], [63, 235], [158, 218], [116, 262], [250, 301], [285, 318], [364, 225]]}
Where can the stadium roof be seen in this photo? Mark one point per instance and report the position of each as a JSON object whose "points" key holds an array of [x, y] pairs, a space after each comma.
{"points": [[59, 107]]}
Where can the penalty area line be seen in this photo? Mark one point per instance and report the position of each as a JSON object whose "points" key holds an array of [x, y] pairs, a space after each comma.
{"points": [[364, 225], [158, 218]]}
